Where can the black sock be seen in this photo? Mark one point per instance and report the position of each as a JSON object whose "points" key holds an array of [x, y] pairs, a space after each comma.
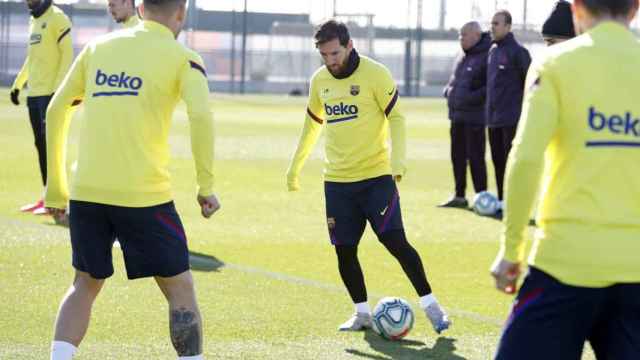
{"points": [[396, 242], [351, 272]]}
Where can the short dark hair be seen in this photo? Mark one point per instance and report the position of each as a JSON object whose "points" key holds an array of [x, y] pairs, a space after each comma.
{"points": [[331, 30], [610, 7], [508, 19], [162, 4]]}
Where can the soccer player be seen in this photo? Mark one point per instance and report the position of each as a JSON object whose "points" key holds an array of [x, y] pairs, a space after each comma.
{"points": [[580, 134], [124, 12], [357, 99], [506, 72], [49, 56], [466, 93], [559, 25], [121, 186]]}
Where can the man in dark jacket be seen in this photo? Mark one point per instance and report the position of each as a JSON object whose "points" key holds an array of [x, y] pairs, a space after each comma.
{"points": [[466, 93], [507, 68]]}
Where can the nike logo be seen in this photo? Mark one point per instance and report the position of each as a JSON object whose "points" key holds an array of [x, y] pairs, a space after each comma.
{"points": [[391, 92], [384, 211]]}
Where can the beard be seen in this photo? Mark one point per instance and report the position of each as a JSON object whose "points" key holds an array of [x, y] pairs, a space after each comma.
{"points": [[337, 70]]}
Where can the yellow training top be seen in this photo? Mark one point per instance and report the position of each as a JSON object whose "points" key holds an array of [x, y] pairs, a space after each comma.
{"points": [[131, 21], [357, 112], [128, 106], [49, 55], [582, 109]]}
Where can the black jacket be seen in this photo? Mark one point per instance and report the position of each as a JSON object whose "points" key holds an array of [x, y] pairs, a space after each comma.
{"points": [[507, 68], [467, 88]]}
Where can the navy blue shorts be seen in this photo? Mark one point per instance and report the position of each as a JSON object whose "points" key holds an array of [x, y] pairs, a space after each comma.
{"points": [[152, 239], [350, 205], [551, 320]]}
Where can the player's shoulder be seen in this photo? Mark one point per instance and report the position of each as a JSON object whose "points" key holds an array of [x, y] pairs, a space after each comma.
{"points": [[59, 17], [563, 57], [321, 73], [374, 70]]}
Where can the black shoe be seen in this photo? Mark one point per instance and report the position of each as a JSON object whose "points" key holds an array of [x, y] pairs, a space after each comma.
{"points": [[497, 215], [455, 202]]}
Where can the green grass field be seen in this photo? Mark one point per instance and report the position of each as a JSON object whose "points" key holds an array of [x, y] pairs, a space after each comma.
{"points": [[277, 293]]}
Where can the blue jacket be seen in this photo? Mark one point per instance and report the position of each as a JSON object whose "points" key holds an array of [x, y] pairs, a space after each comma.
{"points": [[507, 68], [467, 88]]}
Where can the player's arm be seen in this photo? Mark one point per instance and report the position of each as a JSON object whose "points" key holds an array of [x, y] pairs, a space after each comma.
{"points": [[64, 47], [388, 98], [194, 91], [536, 128], [59, 114], [308, 138], [524, 62], [20, 81]]}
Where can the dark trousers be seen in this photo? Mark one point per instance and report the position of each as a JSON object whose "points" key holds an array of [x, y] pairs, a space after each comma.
{"points": [[37, 114], [468, 145], [500, 139], [552, 321]]}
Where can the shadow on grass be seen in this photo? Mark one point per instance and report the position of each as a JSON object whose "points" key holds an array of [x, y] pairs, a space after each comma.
{"points": [[204, 262], [532, 222], [444, 349]]}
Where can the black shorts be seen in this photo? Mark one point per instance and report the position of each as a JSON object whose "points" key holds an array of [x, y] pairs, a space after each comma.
{"points": [[552, 321], [350, 205], [152, 239]]}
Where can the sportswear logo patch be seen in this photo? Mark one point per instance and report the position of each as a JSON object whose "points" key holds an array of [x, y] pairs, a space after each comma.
{"points": [[355, 90], [44, 25], [391, 92], [348, 112], [331, 223], [622, 126], [35, 39], [384, 211], [120, 81]]}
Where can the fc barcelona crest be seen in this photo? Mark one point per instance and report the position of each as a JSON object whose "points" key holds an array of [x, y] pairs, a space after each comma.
{"points": [[355, 90]]}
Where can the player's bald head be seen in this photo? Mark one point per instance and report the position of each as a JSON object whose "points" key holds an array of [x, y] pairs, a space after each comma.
{"points": [[472, 27]]}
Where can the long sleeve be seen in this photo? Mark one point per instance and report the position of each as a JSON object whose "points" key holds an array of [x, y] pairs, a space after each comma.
{"points": [[387, 97], [536, 129], [23, 75], [59, 114], [65, 47], [195, 93], [308, 138]]}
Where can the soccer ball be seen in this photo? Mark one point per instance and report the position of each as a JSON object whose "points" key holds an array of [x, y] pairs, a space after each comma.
{"points": [[485, 203], [392, 318]]}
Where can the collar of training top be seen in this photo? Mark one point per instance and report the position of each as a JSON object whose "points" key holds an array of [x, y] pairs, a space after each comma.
{"points": [[157, 27], [352, 65], [41, 9]]}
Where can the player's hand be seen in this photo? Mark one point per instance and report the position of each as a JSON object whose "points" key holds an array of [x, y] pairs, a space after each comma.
{"points": [[208, 205], [15, 96], [506, 274]]}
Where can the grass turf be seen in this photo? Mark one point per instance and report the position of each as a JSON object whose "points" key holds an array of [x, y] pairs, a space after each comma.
{"points": [[273, 291]]}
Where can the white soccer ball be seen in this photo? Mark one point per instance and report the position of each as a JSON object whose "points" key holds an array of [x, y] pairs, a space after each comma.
{"points": [[485, 203], [392, 318]]}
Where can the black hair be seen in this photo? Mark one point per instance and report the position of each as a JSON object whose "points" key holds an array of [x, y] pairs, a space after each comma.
{"points": [[508, 19], [331, 30], [613, 8]]}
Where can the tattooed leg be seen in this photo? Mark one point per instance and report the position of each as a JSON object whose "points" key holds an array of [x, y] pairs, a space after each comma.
{"points": [[186, 332]]}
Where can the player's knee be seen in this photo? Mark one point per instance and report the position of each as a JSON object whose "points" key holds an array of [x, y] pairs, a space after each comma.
{"points": [[178, 289], [87, 285]]}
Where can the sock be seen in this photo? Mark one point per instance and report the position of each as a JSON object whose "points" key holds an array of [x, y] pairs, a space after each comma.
{"points": [[194, 357], [61, 350], [427, 300], [363, 308]]}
